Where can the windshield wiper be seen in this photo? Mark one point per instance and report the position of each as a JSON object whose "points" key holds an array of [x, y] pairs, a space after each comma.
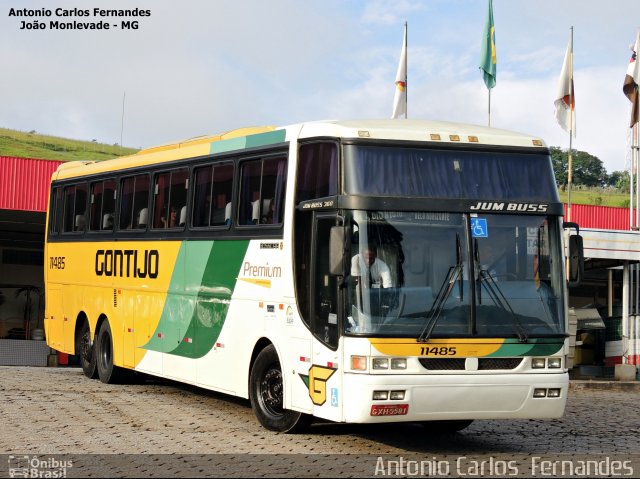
{"points": [[498, 297], [454, 273]]}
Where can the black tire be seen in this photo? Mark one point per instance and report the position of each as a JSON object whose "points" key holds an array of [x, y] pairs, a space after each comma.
{"points": [[87, 351], [107, 371], [266, 394], [446, 427]]}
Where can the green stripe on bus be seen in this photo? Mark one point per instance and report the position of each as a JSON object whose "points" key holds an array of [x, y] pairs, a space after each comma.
{"points": [[178, 307], [229, 145], [535, 347], [251, 141], [269, 138], [213, 298]]}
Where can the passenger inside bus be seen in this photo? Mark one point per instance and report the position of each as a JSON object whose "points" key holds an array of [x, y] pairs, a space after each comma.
{"points": [[172, 221], [143, 218], [268, 209]]}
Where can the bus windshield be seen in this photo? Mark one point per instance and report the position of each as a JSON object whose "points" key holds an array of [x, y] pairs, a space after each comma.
{"points": [[435, 274], [454, 174]]}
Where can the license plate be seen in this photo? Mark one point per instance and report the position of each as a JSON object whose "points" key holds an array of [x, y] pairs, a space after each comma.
{"points": [[389, 409]]}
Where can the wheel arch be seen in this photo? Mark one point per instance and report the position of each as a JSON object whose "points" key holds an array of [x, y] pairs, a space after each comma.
{"points": [[261, 343]]}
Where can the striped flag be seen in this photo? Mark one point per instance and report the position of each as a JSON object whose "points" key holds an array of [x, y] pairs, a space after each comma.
{"points": [[631, 82], [565, 102], [488, 59], [400, 98]]}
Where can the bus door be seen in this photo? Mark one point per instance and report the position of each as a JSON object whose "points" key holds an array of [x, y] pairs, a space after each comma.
{"points": [[325, 384]]}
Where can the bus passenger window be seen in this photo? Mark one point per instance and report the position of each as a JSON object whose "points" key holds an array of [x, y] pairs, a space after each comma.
{"points": [[75, 205], [102, 205], [170, 197], [212, 197], [262, 191], [54, 211], [134, 202]]}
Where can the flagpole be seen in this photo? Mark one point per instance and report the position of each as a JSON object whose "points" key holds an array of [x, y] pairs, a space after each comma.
{"points": [[489, 107], [569, 175], [124, 93], [634, 158], [406, 71]]}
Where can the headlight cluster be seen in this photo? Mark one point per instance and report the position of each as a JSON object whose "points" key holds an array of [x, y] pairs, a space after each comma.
{"points": [[550, 363], [392, 395], [546, 393], [360, 363]]}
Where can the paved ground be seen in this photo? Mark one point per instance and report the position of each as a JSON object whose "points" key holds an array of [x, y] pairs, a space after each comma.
{"points": [[48, 411]]}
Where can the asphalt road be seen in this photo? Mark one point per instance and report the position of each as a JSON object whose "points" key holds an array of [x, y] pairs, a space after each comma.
{"points": [[57, 413]]}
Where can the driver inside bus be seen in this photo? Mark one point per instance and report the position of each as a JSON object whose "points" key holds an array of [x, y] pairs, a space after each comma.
{"points": [[369, 270]]}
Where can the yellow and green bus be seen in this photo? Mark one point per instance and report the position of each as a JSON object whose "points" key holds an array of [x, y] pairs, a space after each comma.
{"points": [[354, 271]]}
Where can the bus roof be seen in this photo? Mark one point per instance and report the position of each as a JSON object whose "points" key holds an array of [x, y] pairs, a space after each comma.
{"points": [[419, 130], [447, 133]]}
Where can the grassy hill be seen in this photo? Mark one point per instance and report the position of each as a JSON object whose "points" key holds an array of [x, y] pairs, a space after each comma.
{"points": [[33, 145], [596, 196]]}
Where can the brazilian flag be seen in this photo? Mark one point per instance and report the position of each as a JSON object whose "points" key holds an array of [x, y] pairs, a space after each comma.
{"points": [[488, 54]]}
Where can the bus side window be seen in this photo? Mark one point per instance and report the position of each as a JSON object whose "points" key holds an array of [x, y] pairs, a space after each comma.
{"points": [[75, 205], [212, 196], [101, 205], [54, 211], [134, 202], [262, 191], [170, 195]]}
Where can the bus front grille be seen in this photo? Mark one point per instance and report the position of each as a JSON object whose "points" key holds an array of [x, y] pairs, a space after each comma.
{"points": [[498, 363], [459, 364], [443, 364]]}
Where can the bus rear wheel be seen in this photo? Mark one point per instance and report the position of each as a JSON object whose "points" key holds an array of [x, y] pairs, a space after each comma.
{"points": [[87, 352], [107, 371], [266, 390]]}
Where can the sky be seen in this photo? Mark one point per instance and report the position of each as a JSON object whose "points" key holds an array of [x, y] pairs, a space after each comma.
{"points": [[196, 67]]}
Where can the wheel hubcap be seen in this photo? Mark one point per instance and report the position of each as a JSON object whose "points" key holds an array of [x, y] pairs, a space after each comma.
{"points": [[85, 346], [271, 391]]}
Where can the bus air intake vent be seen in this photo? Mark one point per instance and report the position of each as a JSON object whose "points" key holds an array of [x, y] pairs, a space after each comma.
{"points": [[115, 298], [443, 364], [485, 364]]}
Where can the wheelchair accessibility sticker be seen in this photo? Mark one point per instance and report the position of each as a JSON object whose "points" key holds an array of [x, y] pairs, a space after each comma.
{"points": [[479, 228]]}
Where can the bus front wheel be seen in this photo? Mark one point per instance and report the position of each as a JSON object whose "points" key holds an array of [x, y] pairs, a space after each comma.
{"points": [[107, 371], [87, 352], [266, 391]]}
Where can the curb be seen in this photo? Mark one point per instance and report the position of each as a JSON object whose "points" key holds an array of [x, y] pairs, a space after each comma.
{"points": [[605, 385]]}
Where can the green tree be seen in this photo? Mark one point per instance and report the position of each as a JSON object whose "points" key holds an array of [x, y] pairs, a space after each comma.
{"points": [[560, 167], [620, 180], [588, 170]]}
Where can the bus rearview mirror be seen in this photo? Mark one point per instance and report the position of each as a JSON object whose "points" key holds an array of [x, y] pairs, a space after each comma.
{"points": [[576, 260], [336, 251]]}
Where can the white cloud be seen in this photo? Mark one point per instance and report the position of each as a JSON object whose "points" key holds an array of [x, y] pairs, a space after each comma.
{"points": [[389, 12], [200, 67]]}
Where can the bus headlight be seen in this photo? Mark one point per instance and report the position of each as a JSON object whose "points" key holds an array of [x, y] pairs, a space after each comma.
{"points": [[538, 363], [396, 395], [539, 393], [553, 393], [398, 363], [380, 363], [380, 395], [554, 363]]}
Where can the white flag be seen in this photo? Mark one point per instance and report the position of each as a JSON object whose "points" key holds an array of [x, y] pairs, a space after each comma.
{"points": [[400, 98], [632, 80], [565, 98]]}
